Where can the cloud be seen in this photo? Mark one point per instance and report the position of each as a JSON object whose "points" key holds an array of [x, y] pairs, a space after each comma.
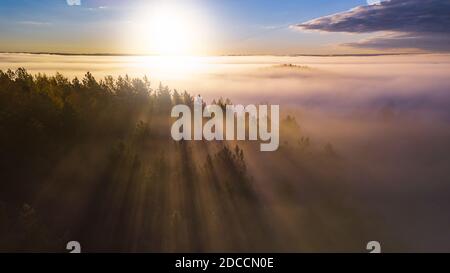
{"points": [[34, 23], [74, 2], [429, 42], [416, 23], [394, 15]]}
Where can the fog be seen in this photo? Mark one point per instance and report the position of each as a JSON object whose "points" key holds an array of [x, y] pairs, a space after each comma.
{"points": [[387, 118], [341, 83]]}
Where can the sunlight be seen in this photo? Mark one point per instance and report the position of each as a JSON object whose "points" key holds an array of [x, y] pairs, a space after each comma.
{"points": [[170, 30], [167, 67]]}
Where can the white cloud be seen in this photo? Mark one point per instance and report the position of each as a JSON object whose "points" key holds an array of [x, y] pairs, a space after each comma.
{"points": [[34, 23], [74, 2]]}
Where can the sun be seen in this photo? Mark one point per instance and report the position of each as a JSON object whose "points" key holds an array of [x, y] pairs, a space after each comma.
{"points": [[170, 34], [169, 31]]}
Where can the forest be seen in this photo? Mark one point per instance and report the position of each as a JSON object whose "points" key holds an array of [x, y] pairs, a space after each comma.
{"points": [[93, 161]]}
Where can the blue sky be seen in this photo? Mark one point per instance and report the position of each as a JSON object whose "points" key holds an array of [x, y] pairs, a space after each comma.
{"points": [[235, 26]]}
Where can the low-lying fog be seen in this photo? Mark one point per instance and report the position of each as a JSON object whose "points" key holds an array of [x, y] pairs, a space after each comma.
{"points": [[388, 117]]}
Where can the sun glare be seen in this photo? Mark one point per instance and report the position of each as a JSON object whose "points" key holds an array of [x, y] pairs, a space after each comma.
{"points": [[169, 31]]}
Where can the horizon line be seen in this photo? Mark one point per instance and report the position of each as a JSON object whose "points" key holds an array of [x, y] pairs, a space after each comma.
{"points": [[219, 55]]}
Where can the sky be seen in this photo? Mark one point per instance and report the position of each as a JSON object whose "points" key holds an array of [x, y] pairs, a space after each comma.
{"points": [[203, 27]]}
